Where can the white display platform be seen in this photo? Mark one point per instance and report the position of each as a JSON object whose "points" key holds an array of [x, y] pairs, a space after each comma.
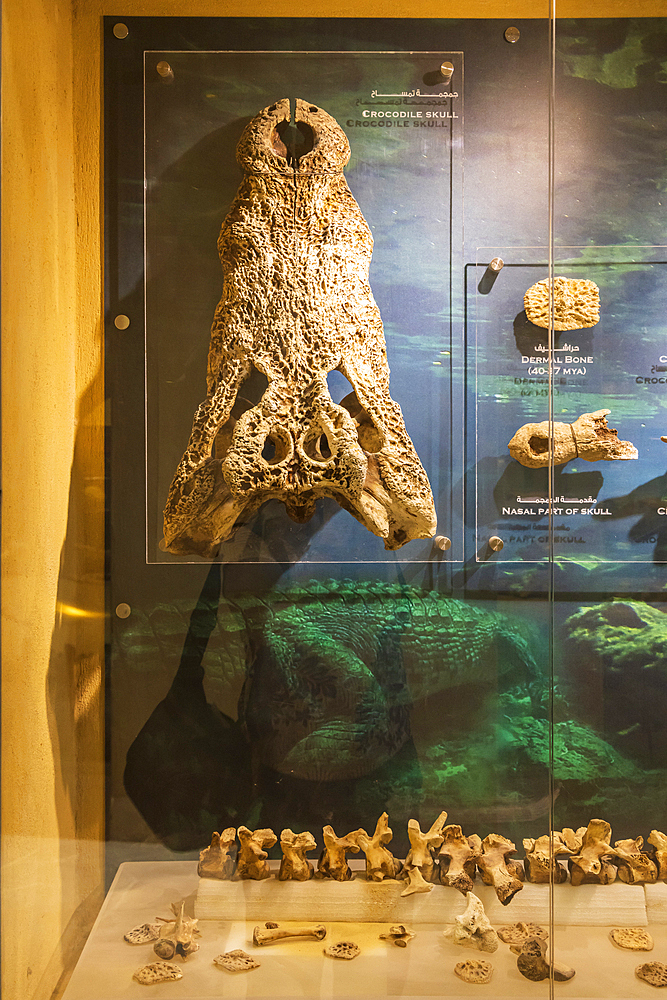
{"points": [[359, 901], [298, 969]]}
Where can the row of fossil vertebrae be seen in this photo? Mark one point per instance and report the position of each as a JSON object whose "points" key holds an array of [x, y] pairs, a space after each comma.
{"points": [[442, 854]]}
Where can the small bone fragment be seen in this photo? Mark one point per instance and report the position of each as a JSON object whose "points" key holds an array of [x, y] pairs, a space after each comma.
{"points": [[472, 928], [416, 882], [588, 437], [576, 303], [157, 972], [295, 865], [251, 861], [332, 862], [474, 970], [634, 867], [342, 949], [498, 869], [534, 965], [380, 862], [590, 865], [458, 858], [541, 865], [273, 932], [632, 938], [177, 936], [659, 841], [236, 961], [653, 973], [217, 861], [142, 934], [399, 934], [515, 934], [422, 846]]}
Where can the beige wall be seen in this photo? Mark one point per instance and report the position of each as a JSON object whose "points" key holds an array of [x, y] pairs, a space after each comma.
{"points": [[52, 613]]}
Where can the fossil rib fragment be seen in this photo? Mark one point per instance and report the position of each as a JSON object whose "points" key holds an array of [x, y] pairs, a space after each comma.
{"points": [[589, 437], [576, 303], [296, 304]]}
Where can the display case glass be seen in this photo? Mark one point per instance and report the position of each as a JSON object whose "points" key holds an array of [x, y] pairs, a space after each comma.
{"points": [[384, 340]]}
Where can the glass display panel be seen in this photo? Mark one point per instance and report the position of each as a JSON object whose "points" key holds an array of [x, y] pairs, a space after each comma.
{"points": [[602, 510], [404, 123]]}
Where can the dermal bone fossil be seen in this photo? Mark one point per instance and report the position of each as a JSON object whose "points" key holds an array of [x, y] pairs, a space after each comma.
{"points": [[296, 305]]}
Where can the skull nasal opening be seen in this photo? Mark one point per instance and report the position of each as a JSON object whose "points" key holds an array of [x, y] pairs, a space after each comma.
{"points": [[292, 141]]}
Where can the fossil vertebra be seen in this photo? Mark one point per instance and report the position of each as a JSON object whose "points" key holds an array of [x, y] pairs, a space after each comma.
{"points": [[380, 862], [251, 862], [296, 304], [634, 867], [217, 861], [591, 864], [295, 865], [498, 869], [332, 862], [177, 937], [399, 934], [472, 928], [589, 437], [576, 303], [458, 858]]}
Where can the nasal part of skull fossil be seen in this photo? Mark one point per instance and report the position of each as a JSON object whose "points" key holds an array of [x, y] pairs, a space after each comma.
{"points": [[589, 437], [296, 305]]}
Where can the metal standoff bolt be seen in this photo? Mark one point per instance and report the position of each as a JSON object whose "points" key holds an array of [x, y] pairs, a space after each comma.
{"points": [[121, 322], [496, 543], [446, 71], [512, 34], [165, 70], [497, 264], [121, 30], [442, 542], [123, 610]]}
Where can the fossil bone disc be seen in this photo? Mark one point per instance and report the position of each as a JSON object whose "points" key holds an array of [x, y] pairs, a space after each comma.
{"points": [[653, 973], [142, 934], [296, 305], [236, 961], [158, 972], [632, 938], [515, 934], [576, 303], [474, 970], [342, 949]]}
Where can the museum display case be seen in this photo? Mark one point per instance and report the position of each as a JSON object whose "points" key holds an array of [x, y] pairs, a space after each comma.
{"points": [[355, 643]]}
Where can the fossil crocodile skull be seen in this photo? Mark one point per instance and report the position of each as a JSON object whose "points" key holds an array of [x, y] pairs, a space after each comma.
{"points": [[296, 305]]}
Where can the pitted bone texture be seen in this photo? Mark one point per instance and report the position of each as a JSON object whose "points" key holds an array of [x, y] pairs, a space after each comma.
{"points": [[632, 938], [576, 303], [343, 949], [474, 970], [236, 961], [296, 304], [589, 437], [653, 973], [143, 934], [157, 972]]}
